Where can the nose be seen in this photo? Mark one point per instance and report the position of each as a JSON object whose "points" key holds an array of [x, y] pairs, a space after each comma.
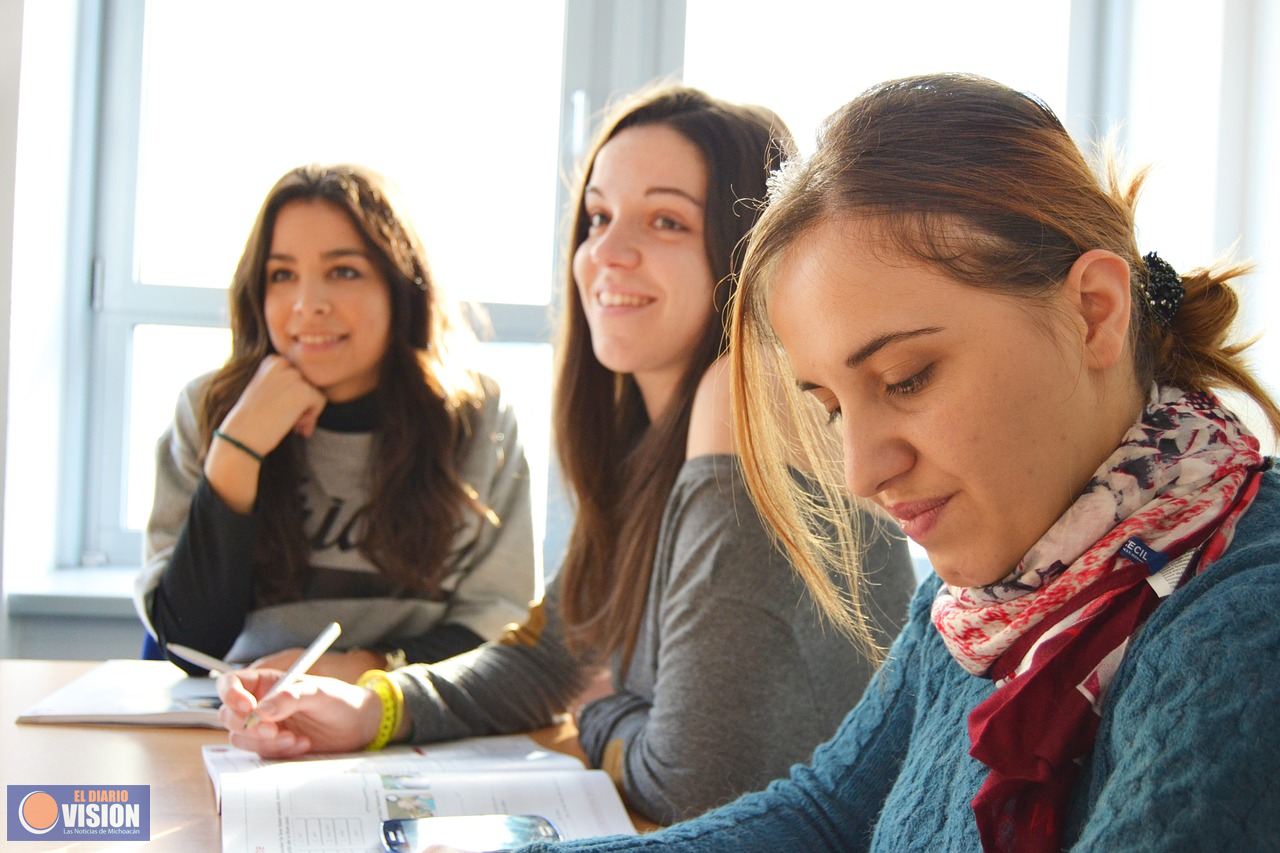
{"points": [[874, 454], [311, 296], [616, 246]]}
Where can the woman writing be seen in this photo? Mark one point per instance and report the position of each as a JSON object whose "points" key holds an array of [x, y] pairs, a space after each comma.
{"points": [[340, 466], [721, 671], [1095, 665]]}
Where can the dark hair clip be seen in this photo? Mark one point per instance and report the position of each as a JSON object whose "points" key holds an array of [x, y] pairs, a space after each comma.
{"points": [[1164, 288]]}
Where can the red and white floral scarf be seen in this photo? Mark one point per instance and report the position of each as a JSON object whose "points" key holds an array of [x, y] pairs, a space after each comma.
{"points": [[1162, 507]]}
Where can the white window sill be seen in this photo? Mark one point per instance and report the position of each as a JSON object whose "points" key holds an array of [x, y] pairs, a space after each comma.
{"points": [[101, 592]]}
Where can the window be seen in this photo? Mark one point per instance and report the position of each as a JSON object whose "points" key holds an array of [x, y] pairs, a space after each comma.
{"points": [[207, 108]]}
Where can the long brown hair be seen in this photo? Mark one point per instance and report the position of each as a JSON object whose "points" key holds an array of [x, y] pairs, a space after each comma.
{"points": [[620, 467], [983, 183], [423, 404]]}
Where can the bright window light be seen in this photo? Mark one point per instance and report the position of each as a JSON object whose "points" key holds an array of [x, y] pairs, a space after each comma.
{"points": [[458, 104], [805, 58]]}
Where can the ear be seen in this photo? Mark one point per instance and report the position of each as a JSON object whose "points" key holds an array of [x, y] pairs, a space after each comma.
{"points": [[1098, 287]]}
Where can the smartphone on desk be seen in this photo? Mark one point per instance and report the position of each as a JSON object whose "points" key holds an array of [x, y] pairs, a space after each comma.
{"points": [[477, 833]]}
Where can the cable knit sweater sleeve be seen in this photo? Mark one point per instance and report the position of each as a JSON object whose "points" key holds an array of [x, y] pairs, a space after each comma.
{"points": [[829, 804], [1186, 759]]}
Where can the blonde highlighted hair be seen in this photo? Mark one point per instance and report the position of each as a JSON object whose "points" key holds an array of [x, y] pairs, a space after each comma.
{"points": [[984, 184]]}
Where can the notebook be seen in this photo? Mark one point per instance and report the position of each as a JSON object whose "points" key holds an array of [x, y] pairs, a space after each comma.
{"points": [[131, 692]]}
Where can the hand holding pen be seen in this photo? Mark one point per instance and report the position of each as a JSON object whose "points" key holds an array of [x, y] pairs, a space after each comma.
{"points": [[296, 716], [310, 655]]}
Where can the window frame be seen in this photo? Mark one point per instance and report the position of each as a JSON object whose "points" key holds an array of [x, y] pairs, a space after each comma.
{"points": [[609, 46]]}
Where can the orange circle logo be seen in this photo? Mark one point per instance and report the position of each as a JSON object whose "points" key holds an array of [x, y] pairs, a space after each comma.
{"points": [[38, 812]]}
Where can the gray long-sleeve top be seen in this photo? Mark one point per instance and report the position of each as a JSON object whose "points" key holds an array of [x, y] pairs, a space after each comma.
{"points": [[735, 676], [197, 586]]}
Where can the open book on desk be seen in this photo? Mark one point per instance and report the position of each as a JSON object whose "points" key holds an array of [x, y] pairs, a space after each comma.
{"points": [[338, 803], [133, 692]]}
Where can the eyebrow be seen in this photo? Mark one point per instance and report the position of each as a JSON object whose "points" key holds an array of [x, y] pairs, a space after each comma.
{"points": [[658, 191], [336, 253], [874, 346]]}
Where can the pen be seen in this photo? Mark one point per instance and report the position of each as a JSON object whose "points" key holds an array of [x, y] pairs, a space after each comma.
{"points": [[190, 655], [309, 656]]}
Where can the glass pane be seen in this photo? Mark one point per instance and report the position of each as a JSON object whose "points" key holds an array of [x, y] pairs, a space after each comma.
{"points": [[1172, 125], [457, 103], [165, 359], [808, 71]]}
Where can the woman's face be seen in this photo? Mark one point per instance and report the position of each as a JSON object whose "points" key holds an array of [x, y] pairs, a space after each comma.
{"points": [[642, 273], [328, 305], [964, 413]]}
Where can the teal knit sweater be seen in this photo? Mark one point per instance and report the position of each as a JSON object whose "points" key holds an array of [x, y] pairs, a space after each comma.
{"points": [[1187, 756]]}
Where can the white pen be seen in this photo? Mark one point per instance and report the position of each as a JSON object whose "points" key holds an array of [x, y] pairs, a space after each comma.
{"points": [[309, 656], [209, 662]]}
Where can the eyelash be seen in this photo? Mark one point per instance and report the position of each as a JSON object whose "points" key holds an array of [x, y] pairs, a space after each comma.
{"points": [[912, 385]]}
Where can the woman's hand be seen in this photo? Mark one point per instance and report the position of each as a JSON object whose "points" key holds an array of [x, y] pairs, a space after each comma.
{"points": [[312, 714], [347, 666], [278, 400]]}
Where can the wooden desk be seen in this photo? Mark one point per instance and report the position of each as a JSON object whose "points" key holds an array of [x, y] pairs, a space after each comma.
{"points": [[183, 815]]}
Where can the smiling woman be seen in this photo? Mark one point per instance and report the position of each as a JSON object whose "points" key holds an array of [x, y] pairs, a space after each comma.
{"points": [[341, 465], [327, 304], [642, 272]]}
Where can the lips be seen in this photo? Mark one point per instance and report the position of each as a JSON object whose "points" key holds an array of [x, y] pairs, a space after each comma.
{"points": [[622, 299], [318, 340], [918, 518]]}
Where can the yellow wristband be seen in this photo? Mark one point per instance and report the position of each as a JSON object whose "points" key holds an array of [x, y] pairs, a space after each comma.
{"points": [[392, 699]]}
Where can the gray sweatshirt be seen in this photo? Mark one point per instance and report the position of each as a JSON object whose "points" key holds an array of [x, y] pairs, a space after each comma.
{"points": [[197, 586], [735, 676]]}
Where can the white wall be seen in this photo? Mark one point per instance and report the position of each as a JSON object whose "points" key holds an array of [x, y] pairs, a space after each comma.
{"points": [[10, 57]]}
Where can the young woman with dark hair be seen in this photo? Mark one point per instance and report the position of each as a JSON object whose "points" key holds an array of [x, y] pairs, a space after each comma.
{"points": [[341, 465], [1096, 664], [720, 671]]}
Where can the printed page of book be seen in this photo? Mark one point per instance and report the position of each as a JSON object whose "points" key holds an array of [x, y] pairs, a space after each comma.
{"points": [[292, 808], [132, 692], [499, 753]]}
